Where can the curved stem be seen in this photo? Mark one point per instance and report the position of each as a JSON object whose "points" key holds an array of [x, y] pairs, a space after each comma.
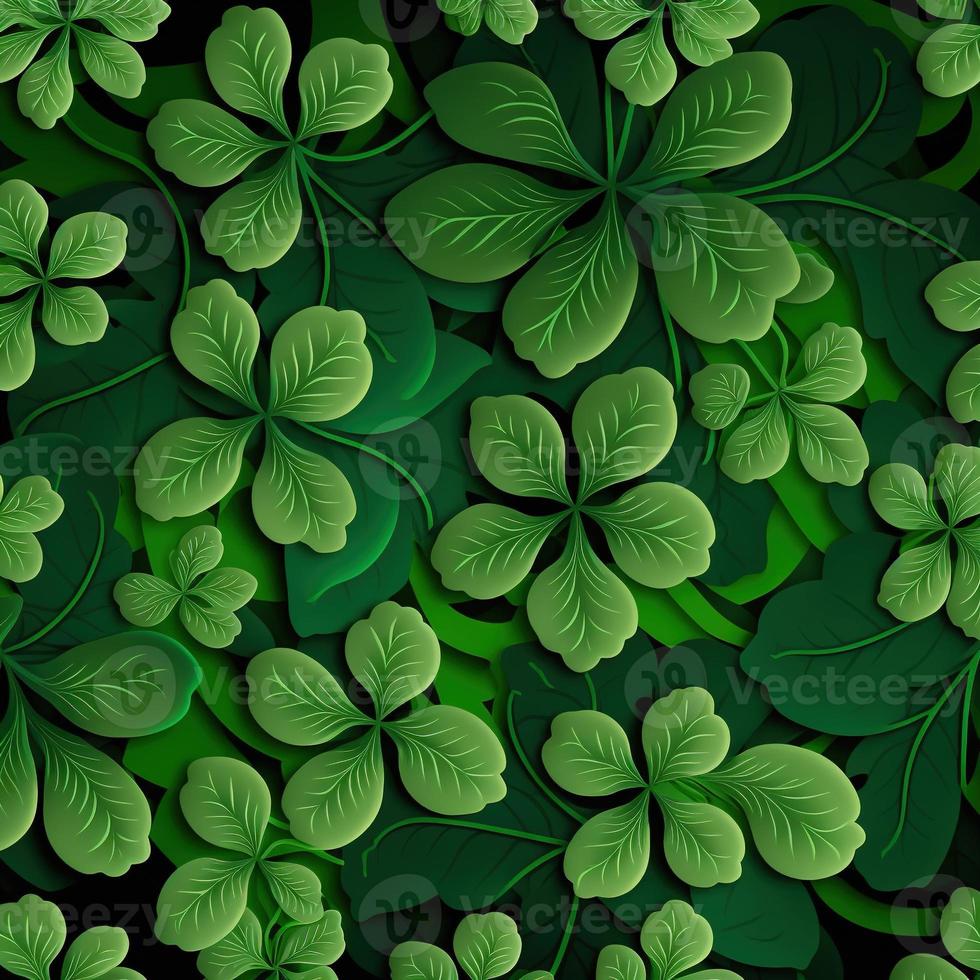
{"points": [[623, 141], [295, 847], [965, 725], [610, 139], [378, 150], [377, 454], [846, 647], [304, 171], [784, 349], [344, 203], [867, 123], [566, 937], [759, 366], [675, 352], [709, 449], [871, 914]]}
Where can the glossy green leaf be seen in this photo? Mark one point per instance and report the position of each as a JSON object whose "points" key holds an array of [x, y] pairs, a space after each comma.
{"points": [[588, 754], [949, 60], [95, 952], [640, 65], [675, 939], [239, 952], [703, 845], [487, 946], [719, 392], [32, 933], [759, 447], [295, 888], [682, 735], [830, 444]]}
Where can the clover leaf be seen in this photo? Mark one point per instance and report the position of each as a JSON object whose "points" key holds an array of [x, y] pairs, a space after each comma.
{"points": [[958, 927], [126, 686], [949, 59], [448, 759], [799, 806], [830, 368], [205, 596], [925, 966], [510, 20], [26, 508], [954, 295], [640, 65], [719, 262], [486, 946], [84, 246], [343, 84], [228, 805], [100, 30], [33, 933], [659, 534], [319, 370], [294, 950], [925, 576]]}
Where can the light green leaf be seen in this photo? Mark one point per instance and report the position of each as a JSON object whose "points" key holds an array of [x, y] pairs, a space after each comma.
{"points": [[29, 506], [609, 853], [963, 605], [320, 366], [580, 609], [190, 465], [640, 65], [801, 808], [947, 9], [675, 939], [696, 47], [23, 218], [958, 927], [954, 295], [295, 888], [620, 963], [759, 447], [248, 58], [963, 387], [254, 224], [572, 303], [830, 443], [949, 60], [13, 279], [917, 583], [925, 966], [342, 85], [225, 589], [201, 143], [132, 20], [719, 392], [682, 735], [449, 760], [227, 803], [32, 933], [18, 48], [73, 315], [703, 845], [816, 277], [215, 338], [588, 754], [87, 246], [314, 944], [519, 447], [45, 90], [720, 18], [201, 902], [17, 341], [480, 221], [333, 799], [504, 111], [900, 496], [659, 534], [603, 20], [487, 946], [18, 777], [197, 552], [111, 63], [211, 626], [957, 476], [297, 700], [95, 952], [394, 654], [239, 952], [511, 20], [487, 550], [300, 496], [831, 364], [420, 961]]}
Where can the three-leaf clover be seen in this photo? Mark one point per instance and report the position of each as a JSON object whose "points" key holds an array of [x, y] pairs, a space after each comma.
{"points": [[640, 65], [301, 951], [954, 296], [923, 577], [958, 928], [343, 84], [319, 370], [801, 809], [33, 933], [510, 20], [205, 596], [659, 534], [228, 805], [26, 508], [85, 246], [830, 368], [449, 760], [949, 59], [720, 263], [46, 88]]}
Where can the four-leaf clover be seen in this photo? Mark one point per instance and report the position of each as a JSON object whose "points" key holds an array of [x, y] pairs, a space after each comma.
{"points": [[949, 59], [205, 596], [85, 246], [319, 370], [449, 760], [830, 368], [801, 809], [659, 533]]}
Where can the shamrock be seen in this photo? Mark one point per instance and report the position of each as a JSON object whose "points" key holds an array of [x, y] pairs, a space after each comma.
{"points": [[510, 20], [33, 933], [486, 946], [343, 84], [126, 686], [46, 89], [949, 59], [922, 579], [299, 951], [206, 605], [29, 506], [719, 262], [319, 369], [659, 534], [830, 368], [228, 805], [959, 932], [640, 66], [448, 759], [800, 807], [954, 296], [85, 246]]}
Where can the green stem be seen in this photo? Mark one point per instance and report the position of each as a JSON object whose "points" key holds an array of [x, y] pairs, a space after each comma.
{"points": [[378, 150], [295, 847], [321, 229], [784, 350], [846, 647], [610, 138], [759, 366], [377, 454], [709, 449], [965, 725], [835, 154], [531, 868], [869, 913], [566, 937], [675, 352], [623, 140], [339, 198]]}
